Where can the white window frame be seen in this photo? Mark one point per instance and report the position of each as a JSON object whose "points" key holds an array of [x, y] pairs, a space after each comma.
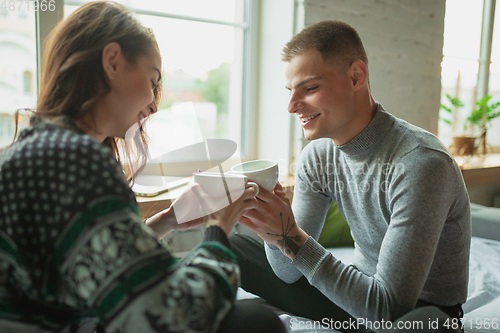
{"points": [[483, 76], [45, 21]]}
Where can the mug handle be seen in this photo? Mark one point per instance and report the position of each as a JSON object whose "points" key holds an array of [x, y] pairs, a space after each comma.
{"points": [[254, 185]]}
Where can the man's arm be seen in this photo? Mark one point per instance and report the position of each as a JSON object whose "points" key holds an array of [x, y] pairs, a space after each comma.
{"points": [[309, 209], [420, 201]]}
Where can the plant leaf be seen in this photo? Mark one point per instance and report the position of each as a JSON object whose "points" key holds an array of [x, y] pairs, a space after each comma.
{"points": [[444, 107]]}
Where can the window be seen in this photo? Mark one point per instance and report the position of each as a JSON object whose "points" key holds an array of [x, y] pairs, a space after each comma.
{"points": [[461, 62], [494, 80], [18, 61], [203, 50], [204, 46]]}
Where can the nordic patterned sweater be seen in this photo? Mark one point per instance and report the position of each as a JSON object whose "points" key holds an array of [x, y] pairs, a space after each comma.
{"points": [[75, 255]]}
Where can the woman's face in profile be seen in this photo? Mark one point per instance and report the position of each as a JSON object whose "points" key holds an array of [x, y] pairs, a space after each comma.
{"points": [[132, 93]]}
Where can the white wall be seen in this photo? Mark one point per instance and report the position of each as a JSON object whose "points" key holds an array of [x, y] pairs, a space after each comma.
{"points": [[404, 42]]}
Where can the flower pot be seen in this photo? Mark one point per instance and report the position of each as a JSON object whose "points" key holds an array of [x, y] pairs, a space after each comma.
{"points": [[463, 145]]}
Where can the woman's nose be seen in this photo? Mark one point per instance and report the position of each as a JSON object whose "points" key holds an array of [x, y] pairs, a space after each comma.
{"points": [[153, 108]]}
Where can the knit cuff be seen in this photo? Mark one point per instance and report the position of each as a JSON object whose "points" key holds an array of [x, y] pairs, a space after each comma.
{"points": [[216, 234], [309, 258]]}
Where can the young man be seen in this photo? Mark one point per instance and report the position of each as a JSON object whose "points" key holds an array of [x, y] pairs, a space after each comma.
{"points": [[397, 186]]}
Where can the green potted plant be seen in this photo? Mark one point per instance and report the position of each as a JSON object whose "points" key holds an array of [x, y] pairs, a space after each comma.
{"points": [[483, 113], [455, 102], [461, 144]]}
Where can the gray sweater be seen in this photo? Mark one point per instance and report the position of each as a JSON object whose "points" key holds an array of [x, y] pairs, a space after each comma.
{"points": [[405, 200]]}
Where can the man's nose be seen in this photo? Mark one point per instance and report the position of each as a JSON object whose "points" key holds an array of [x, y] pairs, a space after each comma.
{"points": [[295, 104]]}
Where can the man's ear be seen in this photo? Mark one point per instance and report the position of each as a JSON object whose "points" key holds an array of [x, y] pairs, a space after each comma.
{"points": [[359, 74], [111, 60]]}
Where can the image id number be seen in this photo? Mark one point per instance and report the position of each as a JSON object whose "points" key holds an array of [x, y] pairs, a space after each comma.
{"points": [[479, 323], [36, 5]]}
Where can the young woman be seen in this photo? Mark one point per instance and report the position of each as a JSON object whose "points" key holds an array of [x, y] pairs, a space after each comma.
{"points": [[74, 254]]}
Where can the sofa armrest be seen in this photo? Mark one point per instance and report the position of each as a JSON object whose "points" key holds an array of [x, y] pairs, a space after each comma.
{"points": [[485, 221]]}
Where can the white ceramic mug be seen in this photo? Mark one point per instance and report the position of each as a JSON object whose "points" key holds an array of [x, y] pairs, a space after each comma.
{"points": [[219, 185], [263, 172], [214, 196]]}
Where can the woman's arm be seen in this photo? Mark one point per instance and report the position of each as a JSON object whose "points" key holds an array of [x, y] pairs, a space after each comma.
{"points": [[110, 264]]}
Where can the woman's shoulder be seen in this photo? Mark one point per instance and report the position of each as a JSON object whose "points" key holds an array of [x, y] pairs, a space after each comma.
{"points": [[45, 142], [58, 153], [59, 163]]}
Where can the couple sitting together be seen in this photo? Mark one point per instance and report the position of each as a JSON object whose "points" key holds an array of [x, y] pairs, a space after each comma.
{"points": [[76, 257]]}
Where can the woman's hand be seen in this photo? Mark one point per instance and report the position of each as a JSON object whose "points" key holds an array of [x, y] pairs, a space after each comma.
{"points": [[274, 222], [227, 217], [165, 222], [196, 207]]}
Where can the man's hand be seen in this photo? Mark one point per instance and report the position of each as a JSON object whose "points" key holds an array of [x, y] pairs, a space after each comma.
{"points": [[273, 221]]}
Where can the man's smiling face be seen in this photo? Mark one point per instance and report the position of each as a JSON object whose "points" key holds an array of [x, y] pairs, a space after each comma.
{"points": [[321, 97]]}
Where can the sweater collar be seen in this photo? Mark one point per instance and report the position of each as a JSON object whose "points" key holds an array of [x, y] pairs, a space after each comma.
{"points": [[38, 123], [369, 139]]}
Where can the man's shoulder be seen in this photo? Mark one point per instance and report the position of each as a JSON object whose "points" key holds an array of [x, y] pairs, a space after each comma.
{"points": [[413, 150], [414, 140]]}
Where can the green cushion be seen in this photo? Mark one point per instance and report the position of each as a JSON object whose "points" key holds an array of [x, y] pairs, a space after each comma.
{"points": [[336, 231]]}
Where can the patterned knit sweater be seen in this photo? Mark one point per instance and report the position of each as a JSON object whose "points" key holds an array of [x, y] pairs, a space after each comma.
{"points": [[74, 254]]}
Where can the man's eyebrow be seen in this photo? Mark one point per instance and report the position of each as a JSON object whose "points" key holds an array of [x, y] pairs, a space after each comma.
{"points": [[304, 82], [159, 75]]}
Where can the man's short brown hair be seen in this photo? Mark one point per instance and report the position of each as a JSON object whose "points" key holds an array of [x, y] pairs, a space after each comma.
{"points": [[337, 41]]}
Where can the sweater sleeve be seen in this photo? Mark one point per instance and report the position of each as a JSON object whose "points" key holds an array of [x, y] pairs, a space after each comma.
{"points": [[110, 264], [420, 198], [310, 205]]}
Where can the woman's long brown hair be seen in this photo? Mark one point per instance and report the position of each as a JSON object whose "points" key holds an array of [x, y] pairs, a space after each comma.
{"points": [[73, 78]]}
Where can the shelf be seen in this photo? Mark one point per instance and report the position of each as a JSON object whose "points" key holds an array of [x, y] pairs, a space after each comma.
{"points": [[480, 170]]}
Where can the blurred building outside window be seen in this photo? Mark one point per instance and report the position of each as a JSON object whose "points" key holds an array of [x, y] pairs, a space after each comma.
{"points": [[17, 65]]}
